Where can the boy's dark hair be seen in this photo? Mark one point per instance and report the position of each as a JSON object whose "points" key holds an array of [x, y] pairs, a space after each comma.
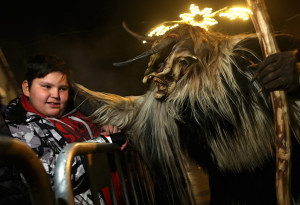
{"points": [[40, 65]]}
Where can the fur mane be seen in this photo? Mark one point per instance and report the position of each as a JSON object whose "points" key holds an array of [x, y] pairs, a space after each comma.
{"points": [[213, 90]]}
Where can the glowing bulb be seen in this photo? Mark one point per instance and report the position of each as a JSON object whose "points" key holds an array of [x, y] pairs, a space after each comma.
{"points": [[207, 19], [236, 12]]}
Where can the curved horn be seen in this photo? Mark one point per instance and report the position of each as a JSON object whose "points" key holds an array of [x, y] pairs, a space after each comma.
{"points": [[163, 44], [138, 36]]}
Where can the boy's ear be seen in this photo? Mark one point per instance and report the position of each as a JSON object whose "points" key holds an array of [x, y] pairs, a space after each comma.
{"points": [[25, 88]]}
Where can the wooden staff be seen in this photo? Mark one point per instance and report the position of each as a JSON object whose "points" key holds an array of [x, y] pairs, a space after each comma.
{"points": [[264, 30]]}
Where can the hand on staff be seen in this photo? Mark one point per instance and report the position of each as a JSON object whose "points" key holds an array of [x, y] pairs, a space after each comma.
{"points": [[278, 72]]}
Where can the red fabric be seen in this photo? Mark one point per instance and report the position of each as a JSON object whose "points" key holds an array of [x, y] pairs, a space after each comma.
{"points": [[75, 131], [117, 186]]}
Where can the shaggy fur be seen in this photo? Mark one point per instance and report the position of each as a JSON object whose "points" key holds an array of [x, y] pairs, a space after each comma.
{"points": [[211, 113]]}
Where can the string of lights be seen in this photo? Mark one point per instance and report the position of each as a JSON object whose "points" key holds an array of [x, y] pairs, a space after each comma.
{"points": [[204, 18]]}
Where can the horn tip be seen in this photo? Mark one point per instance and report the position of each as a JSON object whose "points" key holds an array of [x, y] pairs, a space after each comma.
{"points": [[118, 64]]}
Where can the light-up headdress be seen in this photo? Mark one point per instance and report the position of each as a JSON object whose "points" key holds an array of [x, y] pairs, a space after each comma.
{"points": [[203, 18]]}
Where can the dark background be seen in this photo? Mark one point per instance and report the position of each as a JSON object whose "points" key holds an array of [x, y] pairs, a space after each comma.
{"points": [[88, 34]]}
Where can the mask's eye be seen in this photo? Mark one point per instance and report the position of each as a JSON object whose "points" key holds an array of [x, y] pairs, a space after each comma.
{"points": [[183, 63], [187, 61], [160, 67]]}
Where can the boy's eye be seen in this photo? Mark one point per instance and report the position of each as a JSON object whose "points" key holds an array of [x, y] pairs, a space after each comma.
{"points": [[46, 86], [64, 88]]}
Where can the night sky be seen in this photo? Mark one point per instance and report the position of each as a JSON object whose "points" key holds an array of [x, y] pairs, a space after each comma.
{"points": [[89, 34]]}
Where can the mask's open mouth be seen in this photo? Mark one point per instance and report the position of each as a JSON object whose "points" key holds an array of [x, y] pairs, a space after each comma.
{"points": [[162, 87], [160, 84]]}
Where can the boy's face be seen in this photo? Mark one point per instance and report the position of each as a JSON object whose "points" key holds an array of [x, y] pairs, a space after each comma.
{"points": [[48, 95]]}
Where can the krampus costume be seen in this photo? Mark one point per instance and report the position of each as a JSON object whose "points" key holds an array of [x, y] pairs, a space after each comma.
{"points": [[202, 105]]}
